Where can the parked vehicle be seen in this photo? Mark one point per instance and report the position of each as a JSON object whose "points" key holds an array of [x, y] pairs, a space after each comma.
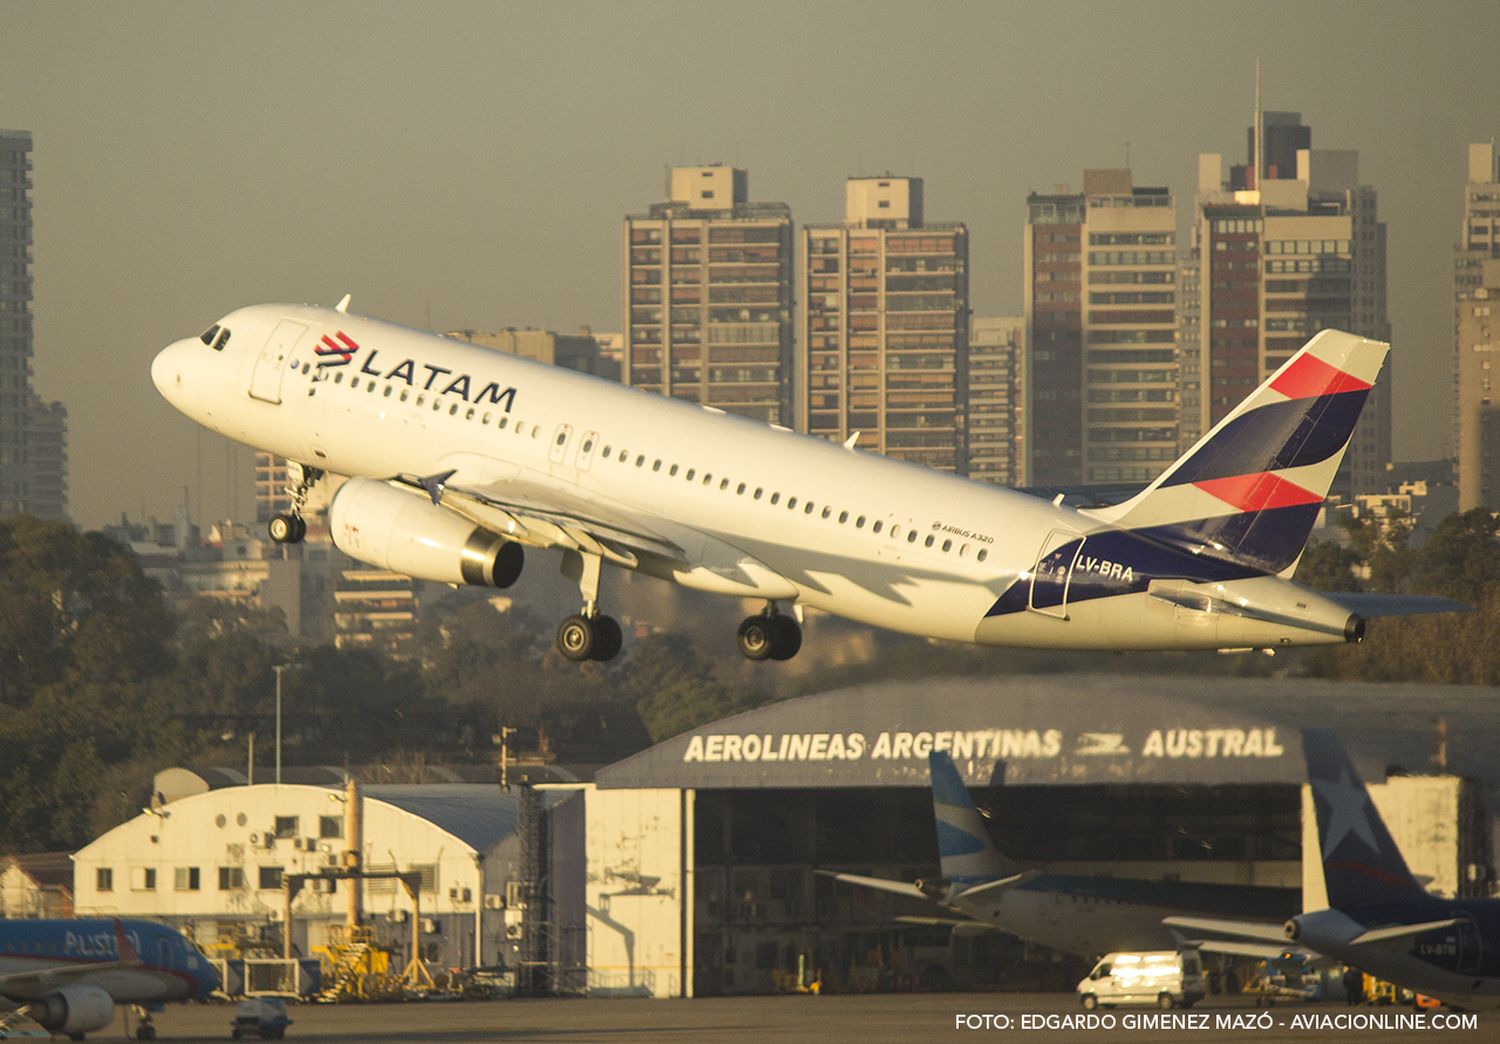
{"points": [[1166, 978]]}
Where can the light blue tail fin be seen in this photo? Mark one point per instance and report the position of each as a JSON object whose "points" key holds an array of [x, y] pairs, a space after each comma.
{"points": [[1361, 864], [967, 854]]}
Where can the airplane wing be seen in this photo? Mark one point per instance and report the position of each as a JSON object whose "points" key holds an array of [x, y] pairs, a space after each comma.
{"points": [[957, 924], [879, 883], [1000, 884], [1369, 604], [548, 518], [1400, 931], [1263, 951], [1255, 930], [30, 984]]}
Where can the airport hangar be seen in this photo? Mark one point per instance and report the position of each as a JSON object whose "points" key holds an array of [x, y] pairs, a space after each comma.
{"points": [[696, 876]]}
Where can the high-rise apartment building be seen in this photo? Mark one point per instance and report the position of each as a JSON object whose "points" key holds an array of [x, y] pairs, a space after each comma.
{"points": [[1476, 301], [884, 321], [1101, 318], [994, 400], [1281, 255], [33, 434], [708, 296]]}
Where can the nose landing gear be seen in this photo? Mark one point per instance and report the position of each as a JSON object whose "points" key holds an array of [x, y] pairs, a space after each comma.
{"points": [[589, 635], [290, 527], [769, 636]]}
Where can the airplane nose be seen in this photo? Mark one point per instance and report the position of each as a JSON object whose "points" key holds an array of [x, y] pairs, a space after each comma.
{"points": [[165, 374]]}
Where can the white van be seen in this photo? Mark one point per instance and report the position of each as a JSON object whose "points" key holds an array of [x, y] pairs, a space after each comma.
{"points": [[1165, 978]]}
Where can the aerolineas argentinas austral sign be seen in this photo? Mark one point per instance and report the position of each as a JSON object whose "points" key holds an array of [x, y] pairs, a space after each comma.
{"points": [[979, 744]]}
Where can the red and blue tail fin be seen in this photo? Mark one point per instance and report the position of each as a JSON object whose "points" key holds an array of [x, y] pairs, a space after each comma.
{"points": [[1361, 864], [1251, 489]]}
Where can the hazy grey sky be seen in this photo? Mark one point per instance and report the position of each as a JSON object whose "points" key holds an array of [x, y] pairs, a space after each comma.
{"points": [[469, 163]]}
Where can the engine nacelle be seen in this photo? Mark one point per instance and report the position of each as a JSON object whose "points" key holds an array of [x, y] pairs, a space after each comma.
{"points": [[407, 533], [73, 1009]]}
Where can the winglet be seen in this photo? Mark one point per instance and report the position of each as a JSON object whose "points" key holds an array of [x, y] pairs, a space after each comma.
{"points": [[343, 305], [852, 440], [436, 484], [123, 949]]}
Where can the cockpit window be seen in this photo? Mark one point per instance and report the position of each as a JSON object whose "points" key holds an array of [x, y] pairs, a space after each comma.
{"points": [[207, 336], [216, 337], [223, 340]]}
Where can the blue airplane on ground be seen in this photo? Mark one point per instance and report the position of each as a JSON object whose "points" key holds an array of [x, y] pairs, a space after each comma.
{"points": [[1079, 913], [1378, 917], [67, 975]]}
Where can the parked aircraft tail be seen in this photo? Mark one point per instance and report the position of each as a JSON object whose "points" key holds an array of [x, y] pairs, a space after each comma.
{"points": [[967, 854], [1361, 864], [1250, 490]]}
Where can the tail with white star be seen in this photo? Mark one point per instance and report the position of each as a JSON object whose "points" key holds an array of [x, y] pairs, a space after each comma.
{"points": [[1361, 864]]}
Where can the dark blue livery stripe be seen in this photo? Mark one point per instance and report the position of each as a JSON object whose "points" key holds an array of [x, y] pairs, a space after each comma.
{"points": [[1279, 435]]}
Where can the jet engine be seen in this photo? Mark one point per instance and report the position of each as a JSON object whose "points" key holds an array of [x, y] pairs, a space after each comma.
{"points": [[75, 1009], [407, 533]]}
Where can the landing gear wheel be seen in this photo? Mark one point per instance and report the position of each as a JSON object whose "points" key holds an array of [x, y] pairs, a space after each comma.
{"points": [[1164, 1001], [786, 637], [576, 638], [607, 638], [756, 638], [287, 529]]}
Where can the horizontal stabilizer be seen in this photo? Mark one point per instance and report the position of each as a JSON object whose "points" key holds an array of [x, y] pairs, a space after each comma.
{"points": [[1400, 931], [1368, 604], [1273, 933], [996, 886], [1232, 948], [879, 883]]}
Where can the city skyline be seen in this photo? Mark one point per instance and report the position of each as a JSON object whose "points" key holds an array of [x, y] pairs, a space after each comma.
{"points": [[189, 160]]}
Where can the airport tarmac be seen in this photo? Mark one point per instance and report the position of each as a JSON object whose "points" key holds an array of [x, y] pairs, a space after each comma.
{"points": [[867, 1019]]}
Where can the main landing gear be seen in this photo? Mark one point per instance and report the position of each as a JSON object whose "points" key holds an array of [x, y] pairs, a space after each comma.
{"points": [[770, 635], [589, 635], [290, 527]]}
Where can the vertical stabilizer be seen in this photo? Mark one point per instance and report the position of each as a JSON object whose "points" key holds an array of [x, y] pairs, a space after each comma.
{"points": [[1361, 864], [967, 854]]}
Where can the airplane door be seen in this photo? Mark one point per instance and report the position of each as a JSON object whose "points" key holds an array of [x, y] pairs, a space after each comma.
{"points": [[1469, 947], [559, 446], [585, 455], [270, 365], [1053, 572]]}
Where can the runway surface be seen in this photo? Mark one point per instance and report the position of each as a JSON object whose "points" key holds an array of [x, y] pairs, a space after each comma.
{"points": [[866, 1019]]}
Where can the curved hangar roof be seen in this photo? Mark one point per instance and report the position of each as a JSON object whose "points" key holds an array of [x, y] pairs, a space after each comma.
{"points": [[1073, 729]]}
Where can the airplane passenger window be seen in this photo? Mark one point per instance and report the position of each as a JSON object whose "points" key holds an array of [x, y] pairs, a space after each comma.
{"points": [[305, 368], [437, 404], [562, 437], [947, 545], [983, 554], [536, 429], [928, 541], [607, 451], [421, 399], [403, 395], [878, 526], [485, 419], [338, 378], [708, 478], [758, 491], [775, 498], [791, 504], [809, 509], [741, 490], [503, 422], [690, 474], [453, 410], [588, 445], [859, 523], [640, 460], [353, 383], [656, 466], [963, 550], [469, 415], [370, 387], [827, 511], [672, 470], [388, 390], [911, 536]]}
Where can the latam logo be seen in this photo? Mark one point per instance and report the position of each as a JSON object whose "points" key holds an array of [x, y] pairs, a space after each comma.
{"points": [[335, 353]]}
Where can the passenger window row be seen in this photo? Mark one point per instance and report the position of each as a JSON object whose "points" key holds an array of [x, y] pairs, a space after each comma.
{"points": [[623, 457]]}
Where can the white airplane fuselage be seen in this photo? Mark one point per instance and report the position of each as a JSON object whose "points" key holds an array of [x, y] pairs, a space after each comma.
{"points": [[757, 511]]}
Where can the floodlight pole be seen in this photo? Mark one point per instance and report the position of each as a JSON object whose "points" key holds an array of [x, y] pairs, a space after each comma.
{"points": [[278, 669]]}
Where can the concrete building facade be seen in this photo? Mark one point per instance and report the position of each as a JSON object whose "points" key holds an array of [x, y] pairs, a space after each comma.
{"points": [[33, 434], [884, 327], [1280, 257], [995, 400], [1476, 304], [1101, 311], [708, 296]]}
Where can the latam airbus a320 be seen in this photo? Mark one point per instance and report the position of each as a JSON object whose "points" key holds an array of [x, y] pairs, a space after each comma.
{"points": [[458, 458]]}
